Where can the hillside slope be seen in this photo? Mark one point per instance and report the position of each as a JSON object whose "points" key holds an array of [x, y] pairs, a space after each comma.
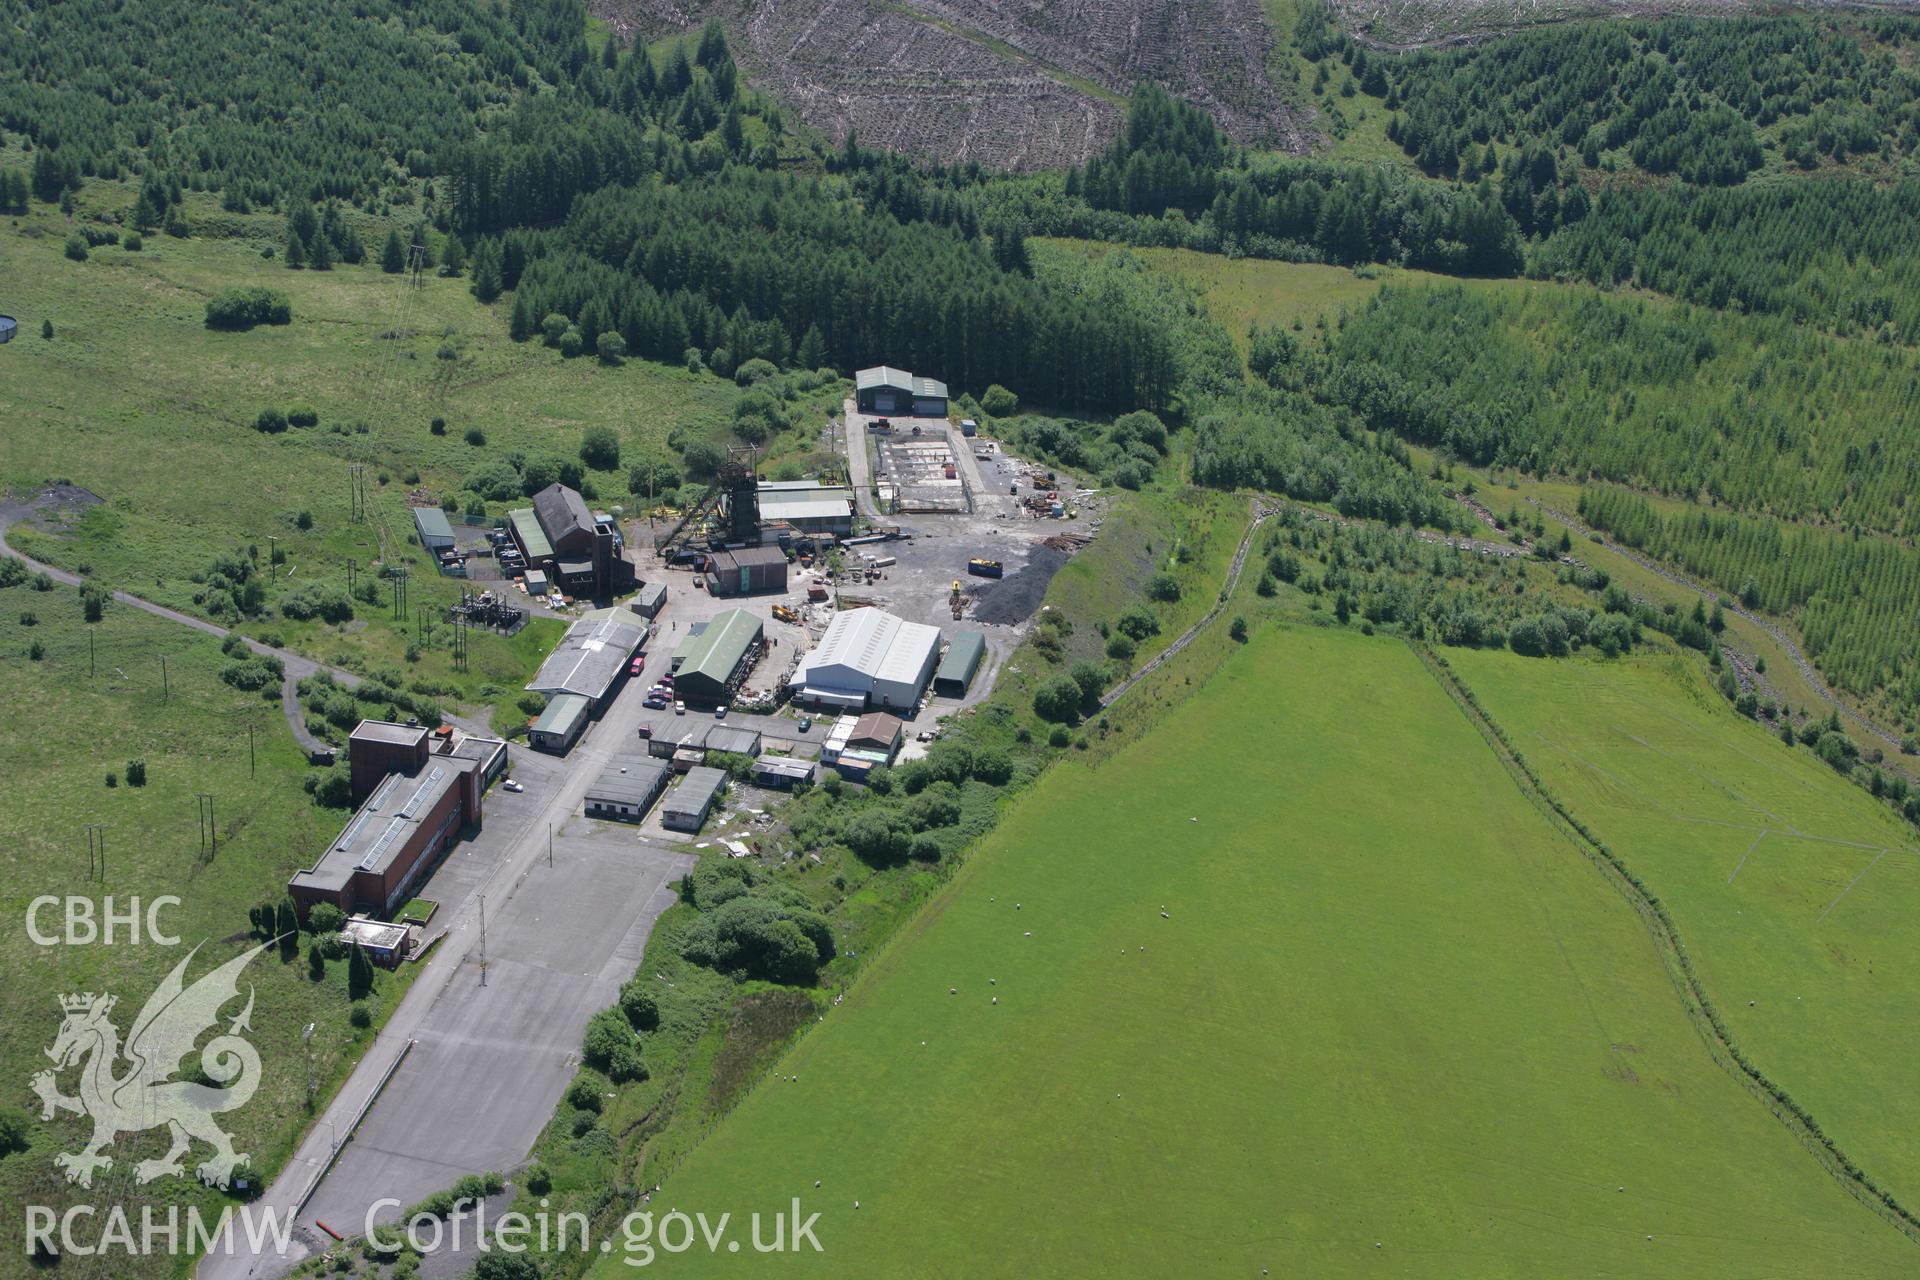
{"points": [[1010, 85], [1410, 24], [1190, 1012]]}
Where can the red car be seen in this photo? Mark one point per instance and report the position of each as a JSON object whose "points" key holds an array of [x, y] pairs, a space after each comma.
{"points": [[639, 664]]}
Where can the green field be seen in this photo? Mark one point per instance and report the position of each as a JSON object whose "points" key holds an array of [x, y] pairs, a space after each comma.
{"points": [[1418, 1037], [136, 400], [1241, 292], [1794, 890], [193, 737]]}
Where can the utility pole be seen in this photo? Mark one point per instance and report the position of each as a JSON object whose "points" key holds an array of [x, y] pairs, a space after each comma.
{"points": [[351, 566], [166, 691], [209, 836], [483, 939], [89, 653], [306, 1038], [97, 844], [273, 550], [549, 844], [250, 751]]}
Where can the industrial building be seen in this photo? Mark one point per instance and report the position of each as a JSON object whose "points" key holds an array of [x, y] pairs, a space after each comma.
{"points": [[649, 600], [377, 748], [385, 944], [580, 551], [886, 390], [782, 771], [879, 734], [436, 533], [868, 657], [711, 665], [965, 652], [857, 745], [701, 739], [402, 826], [592, 656], [745, 571], [807, 506], [692, 799], [626, 788], [559, 726]]}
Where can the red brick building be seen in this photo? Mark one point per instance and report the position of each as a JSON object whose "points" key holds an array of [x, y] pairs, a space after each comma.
{"points": [[415, 793]]}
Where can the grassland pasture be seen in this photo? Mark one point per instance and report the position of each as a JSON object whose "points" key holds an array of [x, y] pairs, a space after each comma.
{"points": [[1198, 1011], [1793, 889]]}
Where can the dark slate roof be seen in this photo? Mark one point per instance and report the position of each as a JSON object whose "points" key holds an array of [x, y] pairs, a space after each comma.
{"points": [[564, 517]]}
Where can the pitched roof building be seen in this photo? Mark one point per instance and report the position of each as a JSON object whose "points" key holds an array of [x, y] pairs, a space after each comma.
{"points": [[868, 657], [591, 657], [583, 553], [711, 665]]}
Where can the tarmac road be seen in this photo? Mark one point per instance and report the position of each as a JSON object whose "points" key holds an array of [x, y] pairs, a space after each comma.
{"points": [[853, 434], [485, 1065]]}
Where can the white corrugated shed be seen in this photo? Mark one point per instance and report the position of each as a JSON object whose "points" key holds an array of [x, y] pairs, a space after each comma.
{"points": [[869, 654]]}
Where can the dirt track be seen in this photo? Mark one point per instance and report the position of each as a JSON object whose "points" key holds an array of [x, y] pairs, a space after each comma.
{"points": [[1262, 511], [1807, 670], [296, 667]]}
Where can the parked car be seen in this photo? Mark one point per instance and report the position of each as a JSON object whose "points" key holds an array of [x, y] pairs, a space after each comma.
{"points": [[925, 735], [646, 731], [639, 664], [511, 785], [720, 712], [654, 701], [806, 723], [679, 708]]}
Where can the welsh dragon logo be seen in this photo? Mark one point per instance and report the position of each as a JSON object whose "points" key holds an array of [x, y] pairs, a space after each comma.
{"points": [[130, 1088]]}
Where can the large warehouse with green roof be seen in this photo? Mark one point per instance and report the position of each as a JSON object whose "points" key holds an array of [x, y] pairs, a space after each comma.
{"points": [[711, 665]]}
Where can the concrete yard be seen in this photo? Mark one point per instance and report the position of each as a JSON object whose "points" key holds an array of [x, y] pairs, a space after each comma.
{"points": [[490, 1061], [487, 1063]]}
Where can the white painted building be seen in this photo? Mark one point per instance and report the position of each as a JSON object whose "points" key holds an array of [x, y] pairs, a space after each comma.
{"points": [[869, 658]]}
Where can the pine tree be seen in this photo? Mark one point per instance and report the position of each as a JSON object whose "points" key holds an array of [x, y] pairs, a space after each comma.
{"points": [[287, 925], [321, 255], [49, 176], [486, 271], [359, 972], [149, 209], [813, 350], [520, 327], [679, 73], [296, 254], [393, 254], [713, 46], [454, 260]]}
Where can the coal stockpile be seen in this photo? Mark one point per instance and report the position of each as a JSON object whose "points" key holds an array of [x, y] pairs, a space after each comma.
{"points": [[1014, 598]]}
